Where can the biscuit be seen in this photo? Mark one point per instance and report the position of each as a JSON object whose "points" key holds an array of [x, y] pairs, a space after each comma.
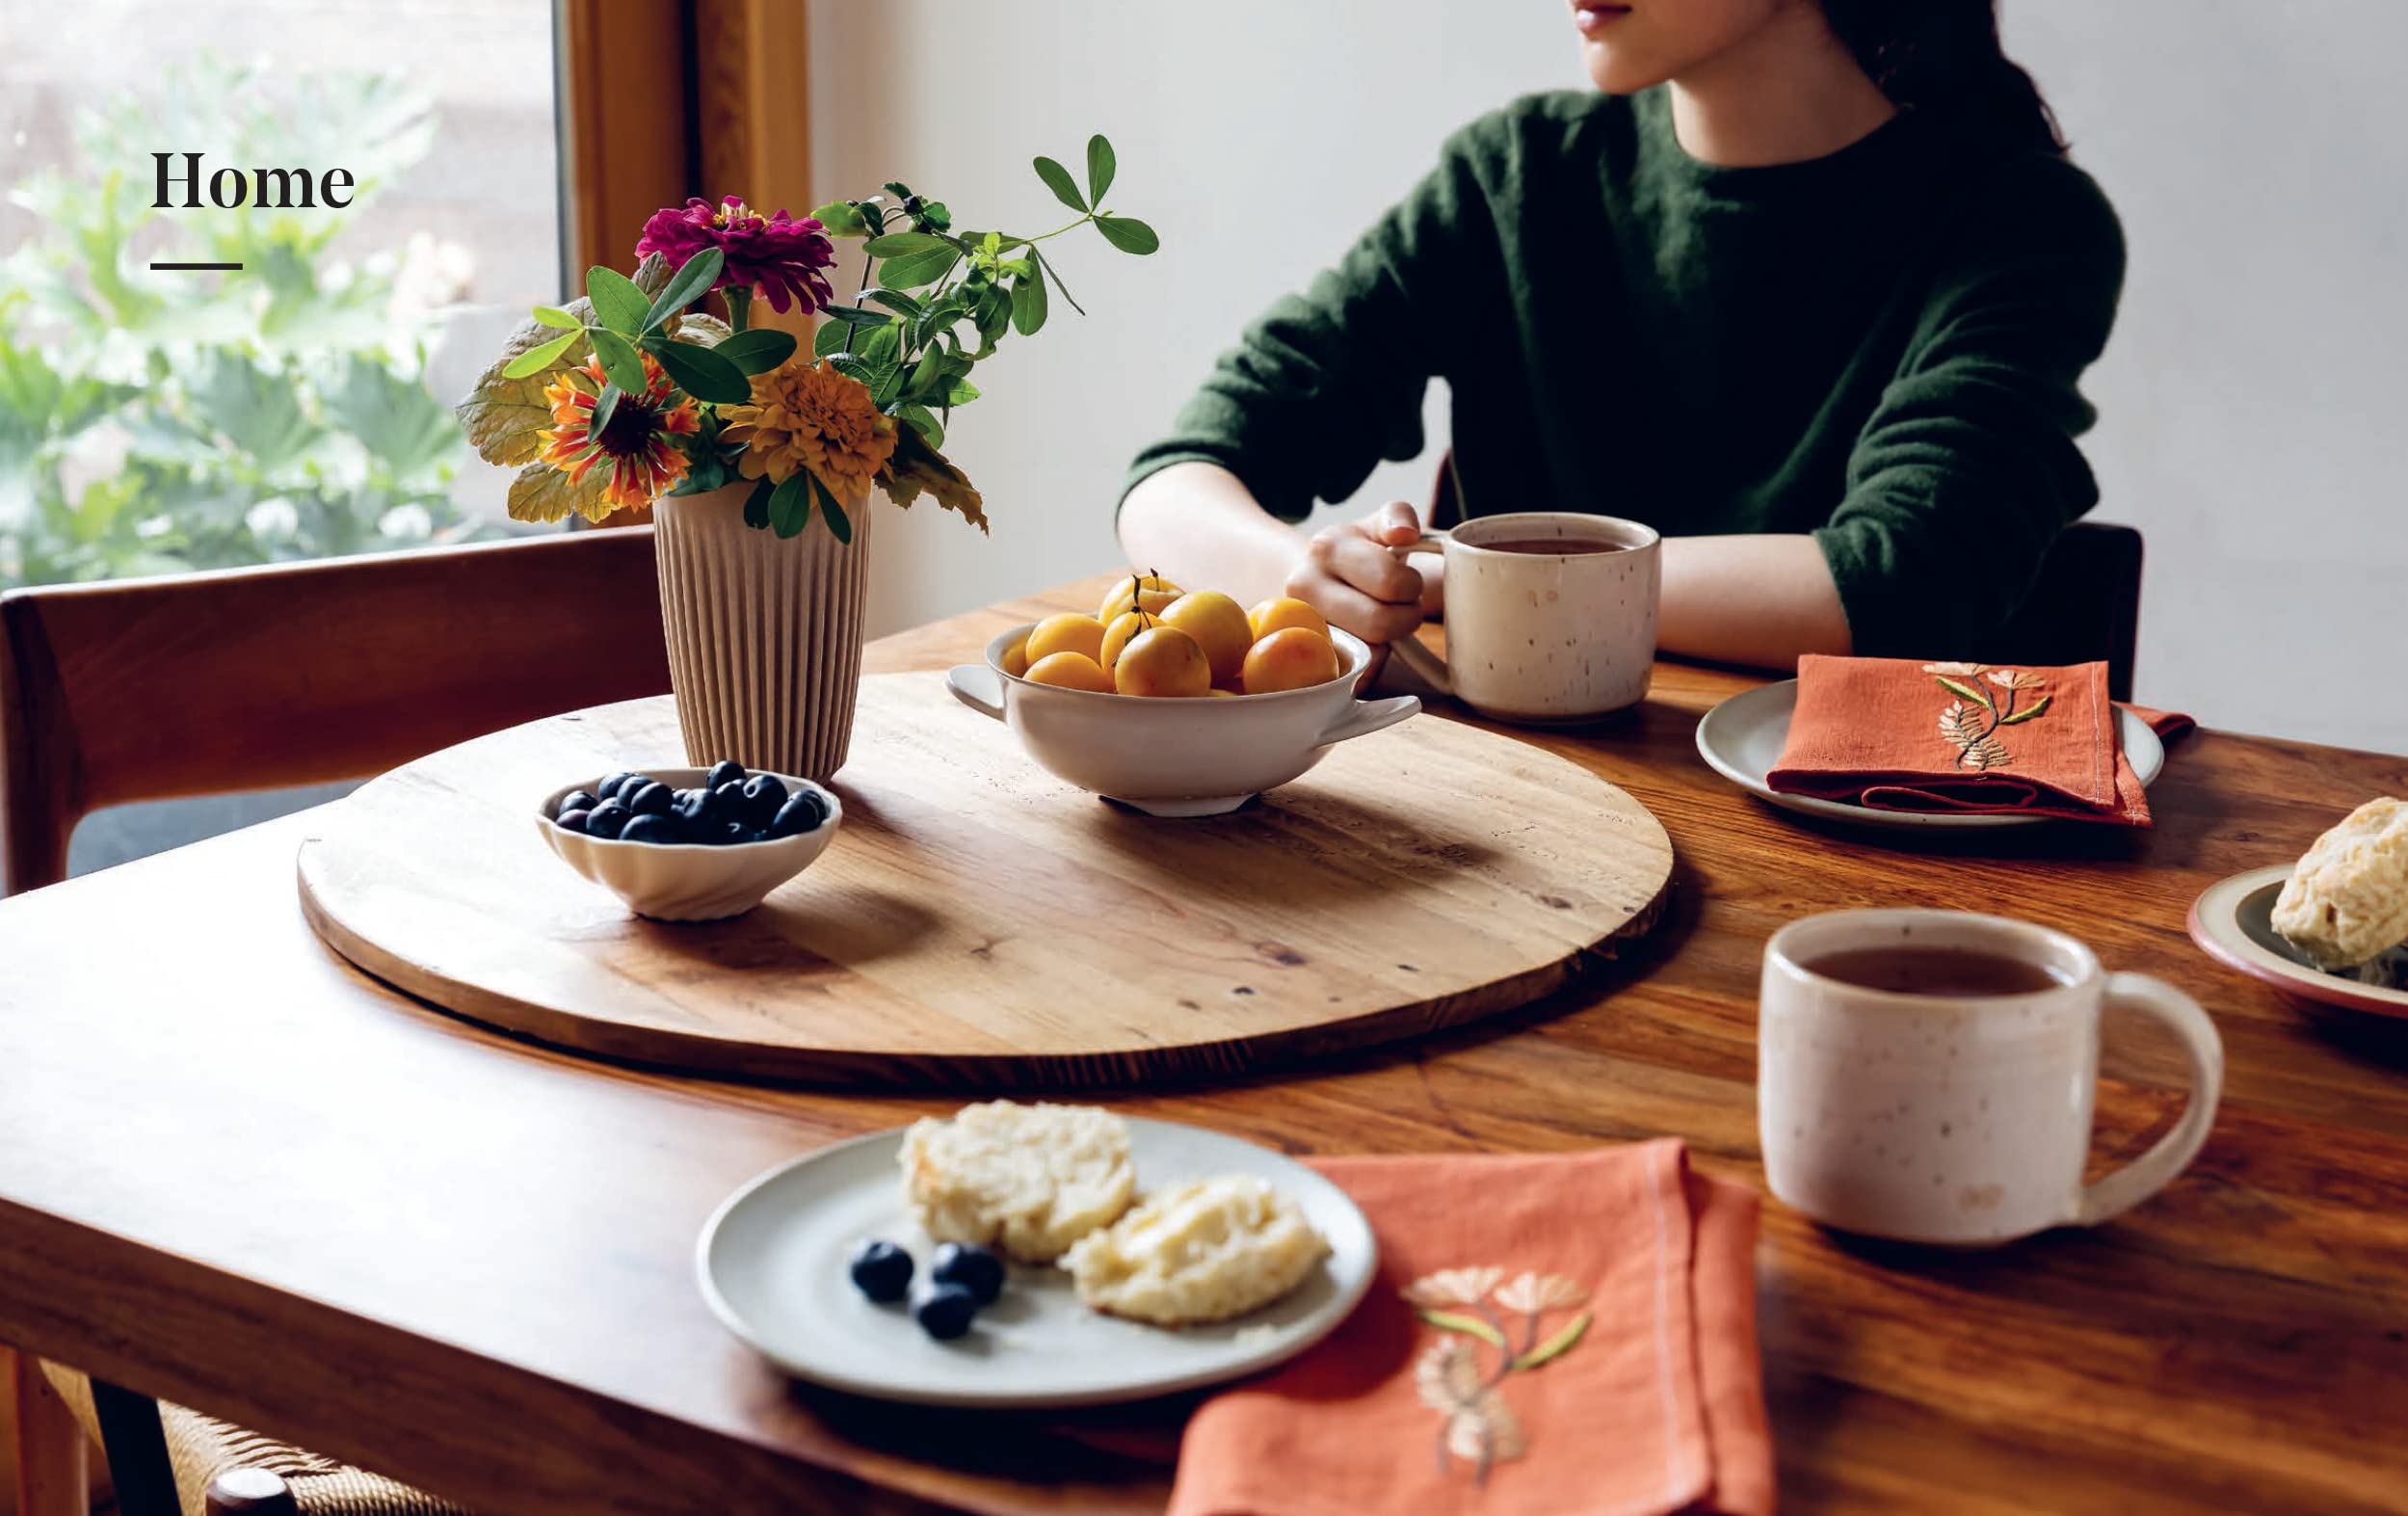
{"points": [[1029, 1178], [2347, 901], [1202, 1251]]}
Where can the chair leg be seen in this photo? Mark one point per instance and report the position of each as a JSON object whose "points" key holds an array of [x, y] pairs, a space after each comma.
{"points": [[52, 1467], [136, 1446]]}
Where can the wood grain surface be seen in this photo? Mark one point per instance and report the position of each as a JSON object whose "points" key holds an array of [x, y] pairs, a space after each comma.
{"points": [[979, 922], [470, 1257]]}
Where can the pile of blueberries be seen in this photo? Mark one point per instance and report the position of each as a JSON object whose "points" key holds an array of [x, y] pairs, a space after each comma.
{"points": [[962, 1279], [729, 806]]}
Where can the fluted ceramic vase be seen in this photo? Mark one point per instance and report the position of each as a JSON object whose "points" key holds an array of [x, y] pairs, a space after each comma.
{"points": [[764, 632]]}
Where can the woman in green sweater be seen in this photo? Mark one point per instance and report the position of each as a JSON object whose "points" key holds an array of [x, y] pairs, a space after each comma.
{"points": [[1808, 285]]}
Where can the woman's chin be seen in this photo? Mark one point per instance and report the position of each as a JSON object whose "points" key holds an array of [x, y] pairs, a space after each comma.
{"points": [[1614, 70]]}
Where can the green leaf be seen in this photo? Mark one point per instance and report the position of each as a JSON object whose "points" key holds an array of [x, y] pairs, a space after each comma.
{"points": [[962, 393], [838, 523], [842, 220], [895, 299], [402, 427], [790, 504], [1045, 264], [535, 359], [854, 313], [1058, 180], [926, 372], [756, 506], [690, 284], [1029, 302], [2027, 713], [829, 338], [621, 361], [605, 406], [1554, 1346], [757, 349], [1964, 692], [1100, 168], [554, 316], [899, 243], [930, 429], [620, 305], [916, 269], [543, 494], [258, 410], [1470, 1325], [853, 368], [701, 372], [1128, 233]]}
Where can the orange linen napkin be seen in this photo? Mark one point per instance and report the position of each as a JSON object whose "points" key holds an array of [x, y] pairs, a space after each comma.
{"points": [[1894, 735], [1624, 1289]]}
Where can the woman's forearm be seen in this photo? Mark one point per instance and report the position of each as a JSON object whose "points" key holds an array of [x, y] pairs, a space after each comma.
{"points": [[1198, 525], [1758, 601]]}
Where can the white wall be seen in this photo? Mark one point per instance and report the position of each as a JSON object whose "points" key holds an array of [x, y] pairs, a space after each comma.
{"points": [[2255, 399]]}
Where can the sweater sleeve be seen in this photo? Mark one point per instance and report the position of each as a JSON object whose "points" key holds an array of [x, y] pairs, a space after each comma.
{"points": [[1325, 383], [1967, 470]]}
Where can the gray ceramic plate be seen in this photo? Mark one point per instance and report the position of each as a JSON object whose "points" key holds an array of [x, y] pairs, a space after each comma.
{"points": [[771, 1264], [2233, 922], [1742, 738]]}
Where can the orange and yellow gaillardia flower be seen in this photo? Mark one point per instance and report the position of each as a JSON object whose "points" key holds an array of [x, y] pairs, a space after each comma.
{"points": [[635, 444], [810, 417]]}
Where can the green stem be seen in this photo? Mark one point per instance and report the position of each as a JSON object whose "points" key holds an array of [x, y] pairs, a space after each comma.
{"points": [[739, 306]]}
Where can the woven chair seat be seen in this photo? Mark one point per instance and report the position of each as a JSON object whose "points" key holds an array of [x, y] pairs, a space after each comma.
{"points": [[202, 1448]]}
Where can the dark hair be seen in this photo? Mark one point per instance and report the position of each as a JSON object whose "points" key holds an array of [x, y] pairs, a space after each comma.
{"points": [[1932, 53]]}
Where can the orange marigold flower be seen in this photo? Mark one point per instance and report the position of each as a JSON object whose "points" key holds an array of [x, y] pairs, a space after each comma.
{"points": [[641, 462], [808, 416]]}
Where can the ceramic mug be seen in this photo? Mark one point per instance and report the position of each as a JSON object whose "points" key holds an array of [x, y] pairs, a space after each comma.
{"points": [[1959, 1120], [1543, 637]]}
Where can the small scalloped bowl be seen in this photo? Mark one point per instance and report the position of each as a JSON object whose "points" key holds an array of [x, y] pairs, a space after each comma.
{"points": [[690, 881], [1195, 756]]}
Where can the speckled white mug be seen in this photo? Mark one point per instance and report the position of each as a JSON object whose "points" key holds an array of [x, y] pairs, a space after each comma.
{"points": [[1543, 637], [1957, 1119]]}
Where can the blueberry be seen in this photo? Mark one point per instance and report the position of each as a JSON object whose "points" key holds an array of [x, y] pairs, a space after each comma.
{"points": [[572, 820], [802, 814], [945, 1311], [651, 829], [754, 835], [649, 800], [972, 1268], [763, 795], [630, 785], [606, 819], [696, 809], [881, 1270], [727, 771], [729, 798], [576, 800], [608, 788]]}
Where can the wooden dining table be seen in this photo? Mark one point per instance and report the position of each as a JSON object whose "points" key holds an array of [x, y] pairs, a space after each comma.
{"points": [[239, 1174]]}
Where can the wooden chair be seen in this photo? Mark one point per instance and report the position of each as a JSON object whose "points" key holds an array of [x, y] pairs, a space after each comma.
{"points": [[258, 678], [2083, 606]]}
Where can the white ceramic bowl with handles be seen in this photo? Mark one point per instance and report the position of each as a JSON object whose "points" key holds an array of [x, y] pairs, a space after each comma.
{"points": [[1173, 756]]}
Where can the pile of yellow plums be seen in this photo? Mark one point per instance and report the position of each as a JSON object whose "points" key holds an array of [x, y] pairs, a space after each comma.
{"points": [[1150, 637]]}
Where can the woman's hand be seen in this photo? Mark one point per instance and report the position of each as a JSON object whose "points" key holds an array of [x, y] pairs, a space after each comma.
{"points": [[1352, 575]]}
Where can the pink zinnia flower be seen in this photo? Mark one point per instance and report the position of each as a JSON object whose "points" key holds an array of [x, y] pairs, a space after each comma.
{"points": [[780, 255]]}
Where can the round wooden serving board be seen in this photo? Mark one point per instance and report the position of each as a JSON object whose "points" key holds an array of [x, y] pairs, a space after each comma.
{"points": [[978, 922]]}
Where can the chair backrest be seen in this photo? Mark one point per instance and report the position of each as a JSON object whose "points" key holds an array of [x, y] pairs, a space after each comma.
{"points": [[297, 674], [2083, 606]]}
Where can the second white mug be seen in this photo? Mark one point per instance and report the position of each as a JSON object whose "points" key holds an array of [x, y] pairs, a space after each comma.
{"points": [[1545, 636]]}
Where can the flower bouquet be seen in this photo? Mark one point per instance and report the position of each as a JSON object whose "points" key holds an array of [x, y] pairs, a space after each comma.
{"points": [[758, 458]]}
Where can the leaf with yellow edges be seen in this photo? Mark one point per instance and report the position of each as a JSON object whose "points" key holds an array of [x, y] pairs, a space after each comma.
{"points": [[916, 468]]}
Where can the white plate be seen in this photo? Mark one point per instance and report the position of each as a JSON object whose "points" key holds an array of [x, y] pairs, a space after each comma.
{"points": [[1742, 738], [772, 1264], [2233, 922]]}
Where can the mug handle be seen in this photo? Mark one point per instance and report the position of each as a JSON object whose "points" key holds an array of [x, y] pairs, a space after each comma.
{"points": [[976, 685], [2154, 1169], [1409, 651]]}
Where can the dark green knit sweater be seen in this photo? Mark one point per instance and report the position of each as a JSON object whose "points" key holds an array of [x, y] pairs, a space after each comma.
{"points": [[1880, 347]]}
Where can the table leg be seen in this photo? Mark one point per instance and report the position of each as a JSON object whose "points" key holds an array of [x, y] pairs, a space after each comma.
{"points": [[52, 1452]]}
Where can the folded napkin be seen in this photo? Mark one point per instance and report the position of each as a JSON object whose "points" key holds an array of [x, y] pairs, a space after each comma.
{"points": [[1894, 735], [1547, 1335]]}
